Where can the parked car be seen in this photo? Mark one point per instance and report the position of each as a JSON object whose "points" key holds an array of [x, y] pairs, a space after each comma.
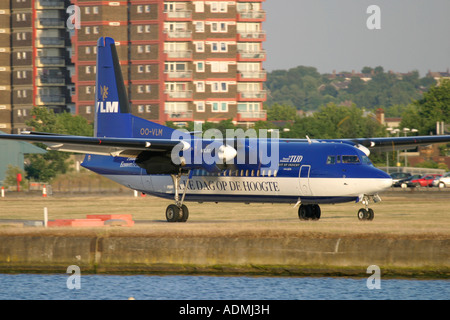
{"points": [[443, 181], [396, 176], [426, 180], [406, 183]]}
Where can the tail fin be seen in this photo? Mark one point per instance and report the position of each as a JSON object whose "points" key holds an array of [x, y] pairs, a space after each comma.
{"points": [[113, 116]]}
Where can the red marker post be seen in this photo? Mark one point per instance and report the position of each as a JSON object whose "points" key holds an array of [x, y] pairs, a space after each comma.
{"points": [[19, 179]]}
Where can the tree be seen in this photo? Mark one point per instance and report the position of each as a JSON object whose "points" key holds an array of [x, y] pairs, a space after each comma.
{"points": [[433, 107], [281, 112], [44, 167]]}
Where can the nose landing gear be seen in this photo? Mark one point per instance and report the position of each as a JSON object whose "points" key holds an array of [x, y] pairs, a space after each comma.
{"points": [[366, 213]]}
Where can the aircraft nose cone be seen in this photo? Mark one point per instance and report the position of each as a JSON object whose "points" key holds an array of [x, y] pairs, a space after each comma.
{"points": [[384, 180]]}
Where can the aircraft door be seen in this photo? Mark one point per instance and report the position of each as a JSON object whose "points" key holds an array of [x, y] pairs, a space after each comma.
{"points": [[303, 180]]}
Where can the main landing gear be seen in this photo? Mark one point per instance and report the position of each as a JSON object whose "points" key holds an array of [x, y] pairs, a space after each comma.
{"points": [[177, 212], [309, 212]]}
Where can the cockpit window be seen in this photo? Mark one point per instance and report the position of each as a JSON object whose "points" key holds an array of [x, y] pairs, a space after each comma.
{"points": [[350, 159], [331, 160], [365, 160]]}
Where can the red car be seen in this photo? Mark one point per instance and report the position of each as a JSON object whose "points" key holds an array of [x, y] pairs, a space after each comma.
{"points": [[425, 180]]}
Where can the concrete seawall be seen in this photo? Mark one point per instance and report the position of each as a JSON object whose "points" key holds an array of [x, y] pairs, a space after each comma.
{"points": [[224, 255]]}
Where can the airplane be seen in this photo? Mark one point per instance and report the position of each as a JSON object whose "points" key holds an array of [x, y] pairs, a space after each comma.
{"points": [[175, 164]]}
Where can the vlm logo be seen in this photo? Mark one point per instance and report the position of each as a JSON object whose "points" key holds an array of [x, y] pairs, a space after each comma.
{"points": [[109, 106]]}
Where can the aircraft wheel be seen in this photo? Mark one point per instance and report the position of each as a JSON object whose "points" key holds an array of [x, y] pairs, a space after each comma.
{"points": [[365, 214], [370, 214], [184, 214], [304, 212], [362, 214], [315, 212], [172, 213]]}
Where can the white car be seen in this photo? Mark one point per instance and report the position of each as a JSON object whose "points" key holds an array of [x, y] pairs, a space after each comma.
{"points": [[443, 181]]}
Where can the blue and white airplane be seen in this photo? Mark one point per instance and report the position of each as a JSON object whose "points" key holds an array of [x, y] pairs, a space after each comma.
{"points": [[168, 163]]}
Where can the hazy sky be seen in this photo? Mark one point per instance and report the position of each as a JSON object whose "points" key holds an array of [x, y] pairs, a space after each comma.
{"points": [[333, 35]]}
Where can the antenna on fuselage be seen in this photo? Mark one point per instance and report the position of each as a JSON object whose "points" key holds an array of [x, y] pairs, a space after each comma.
{"points": [[309, 140]]}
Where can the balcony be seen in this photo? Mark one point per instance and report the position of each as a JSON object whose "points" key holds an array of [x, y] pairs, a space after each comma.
{"points": [[252, 75], [252, 55], [252, 95], [252, 15], [181, 75], [251, 36], [51, 61], [52, 41], [179, 115], [252, 115], [179, 94], [178, 34], [52, 4], [45, 80], [52, 99], [51, 23], [187, 54], [178, 14]]}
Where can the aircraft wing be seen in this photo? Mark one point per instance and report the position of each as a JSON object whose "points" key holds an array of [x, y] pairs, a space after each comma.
{"points": [[124, 147], [398, 143]]}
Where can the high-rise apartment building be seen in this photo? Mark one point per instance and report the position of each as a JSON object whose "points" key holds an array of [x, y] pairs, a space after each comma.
{"points": [[33, 60], [181, 60]]}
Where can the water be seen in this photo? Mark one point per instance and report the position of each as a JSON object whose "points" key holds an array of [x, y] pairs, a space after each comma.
{"points": [[142, 287]]}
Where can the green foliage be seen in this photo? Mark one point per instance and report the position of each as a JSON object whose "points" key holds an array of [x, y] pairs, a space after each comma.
{"points": [[306, 89], [11, 177], [281, 112], [44, 167], [433, 107]]}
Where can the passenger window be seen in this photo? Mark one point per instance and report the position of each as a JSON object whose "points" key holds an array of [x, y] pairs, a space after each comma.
{"points": [[331, 160], [338, 159]]}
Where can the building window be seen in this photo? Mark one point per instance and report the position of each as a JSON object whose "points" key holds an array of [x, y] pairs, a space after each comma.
{"points": [[140, 68], [140, 9], [140, 49], [200, 86], [199, 26], [147, 48], [95, 29], [88, 89], [140, 89], [199, 6], [87, 10], [200, 66], [87, 30], [219, 107], [219, 66], [219, 86], [200, 46], [148, 88], [147, 8], [148, 68], [95, 10], [140, 29], [148, 108], [147, 28], [200, 106], [140, 108], [219, 27], [88, 109]]}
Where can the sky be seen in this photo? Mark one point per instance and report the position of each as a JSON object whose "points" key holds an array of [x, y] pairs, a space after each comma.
{"points": [[333, 35]]}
